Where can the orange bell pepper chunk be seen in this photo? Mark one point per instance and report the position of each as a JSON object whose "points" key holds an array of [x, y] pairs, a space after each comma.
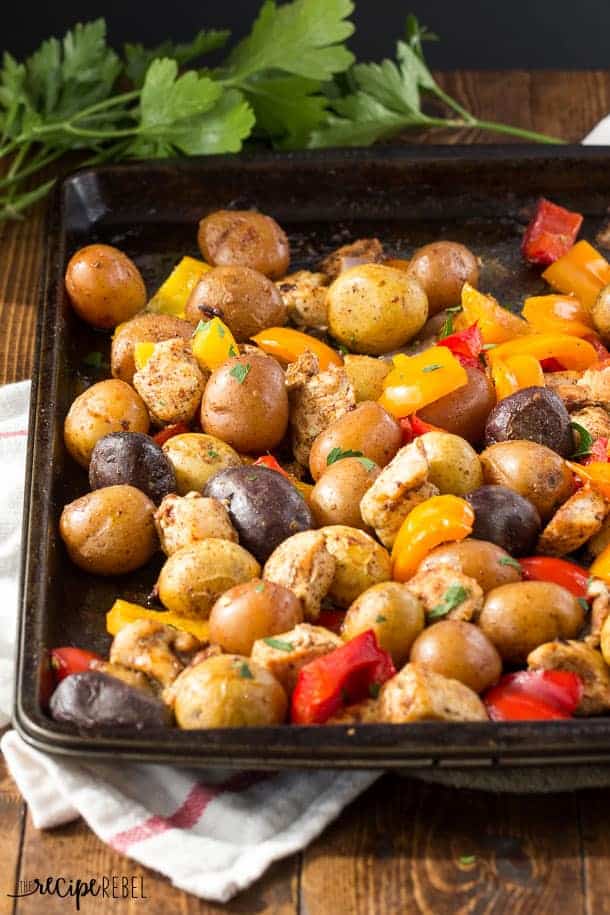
{"points": [[287, 345], [514, 373], [496, 324], [572, 352], [582, 272], [558, 314], [435, 521], [597, 474], [601, 566], [416, 381]]}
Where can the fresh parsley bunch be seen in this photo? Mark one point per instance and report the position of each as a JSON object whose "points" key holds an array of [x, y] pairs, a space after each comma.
{"points": [[291, 82]]}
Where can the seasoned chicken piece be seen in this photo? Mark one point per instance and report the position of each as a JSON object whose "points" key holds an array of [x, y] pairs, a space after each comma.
{"points": [[599, 595], [156, 650], [304, 565], [573, 523], [595, 420], [362, 251], [171, 383], [304, 294], [564, 384], [308, 643], [316, 400], [596, 382], [184, 520], [133, 678], [400, 486], [598, 543], [365, 712], [580, 659], [445, 587], [418, 694]]}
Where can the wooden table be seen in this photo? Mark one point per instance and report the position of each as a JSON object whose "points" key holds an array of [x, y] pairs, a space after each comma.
{"points": [[398, 848]]}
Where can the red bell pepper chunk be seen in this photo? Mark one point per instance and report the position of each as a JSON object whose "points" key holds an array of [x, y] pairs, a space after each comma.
{"points": [[407, 430], [67, 660], [550, 234], [598, 453], [534, 695], [551, 365], [412, 427], [177, 429], [331, 619], [598, 346], [344, 676], [466, 345], [267, 460], [570, 576]]}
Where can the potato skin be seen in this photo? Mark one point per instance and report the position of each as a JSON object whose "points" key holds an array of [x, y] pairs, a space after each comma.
{"points": [[246, 300], [536, 414], [108, 406], [335, 499], [195, 576], [464, 412], [93, 699], [442, 268], [135, 459], [196, 457], [460, 651], [104, 285], [454, 464], [482, 560], [373, 309], [532, 470], [392, 612], [217, 694], [369, 429], [519, 617], [144, 328], [254, 610], [251, 414], [366, 374], [109, 531], [360, 562], [505, 518], [244, 237]]}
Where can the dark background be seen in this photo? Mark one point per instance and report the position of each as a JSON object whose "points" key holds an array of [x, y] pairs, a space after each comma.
{"points": [[475, 33]]}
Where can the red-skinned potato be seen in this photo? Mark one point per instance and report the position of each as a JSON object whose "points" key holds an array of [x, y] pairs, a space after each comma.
{"points": [[368, 429], [244, 237], [464, 412], [104, 285]]}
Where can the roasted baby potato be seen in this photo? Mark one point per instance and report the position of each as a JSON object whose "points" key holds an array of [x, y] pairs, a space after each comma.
{"points": [[454, 465], [374, 309], [441, 269], [532, 470], [108, 406], [487, 563], [196, 458], [93, 699], [135, 459], [254, 610], [536, 414], [464, 412], [460, 651], [105, 287], [247, 238], [335, 499], [245, 403], [369, 430], [360, 562], [505, 518], [144, 328], [246, 300], [195, 576], [109, 531], [394, 614]]}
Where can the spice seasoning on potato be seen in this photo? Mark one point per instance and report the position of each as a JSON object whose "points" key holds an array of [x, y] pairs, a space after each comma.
{"points": [[247, 238], [108, 406], [254, 610], [196, 457], [335, 499], [442, 268]]}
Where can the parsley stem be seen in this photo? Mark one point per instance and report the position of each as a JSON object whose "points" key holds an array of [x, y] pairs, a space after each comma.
{"points": [[34, 165], [521, 132]]}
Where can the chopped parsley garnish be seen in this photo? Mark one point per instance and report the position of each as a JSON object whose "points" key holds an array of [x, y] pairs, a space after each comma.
{"points": [[213, 454], [433, 367], [260, 587], [585, 440], [94, 360], [367, 463], [381, 619], [509, 561], [337, 454], [245, 672], [220, 329], [233, 351], [240, 371], [452, 598], [343, 349], [467, 859], [487, 346], [584, 603], [374, 690], [280, 644], [201, 326]]}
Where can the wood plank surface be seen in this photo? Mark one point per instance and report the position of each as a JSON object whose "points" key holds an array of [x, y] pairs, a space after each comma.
{"points": [[397, 849]]}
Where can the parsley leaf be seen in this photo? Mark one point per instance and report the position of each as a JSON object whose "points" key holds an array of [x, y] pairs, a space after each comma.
{"points": [[240, 371], [433, 367], [280, 644], [245, 672], [585, 440], [374, 689], [452, 598], [583, 603], [367, 463], [138, 58], [380, 618], [509, 561], [337, 454], [467, 859]]}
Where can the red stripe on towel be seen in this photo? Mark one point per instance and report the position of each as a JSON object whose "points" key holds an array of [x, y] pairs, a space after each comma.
{"points": [[13, 434]]}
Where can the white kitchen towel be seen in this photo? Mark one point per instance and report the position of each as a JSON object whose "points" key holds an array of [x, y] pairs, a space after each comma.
{"points": [[600, 135], [212, 833]]}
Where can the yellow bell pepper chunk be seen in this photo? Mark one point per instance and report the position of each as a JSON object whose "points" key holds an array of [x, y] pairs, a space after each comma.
{"points": [[496, 324], [171, 297], [597, 474], [514, 373], [416, 381], [213, 343], [573, 352], [287, 345], [123, 612], [142, 353], [558, 314], [601, 569], [440, 519], [582, 272]]}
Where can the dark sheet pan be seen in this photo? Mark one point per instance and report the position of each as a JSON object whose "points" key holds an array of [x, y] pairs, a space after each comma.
{"points": [[408, 196]]}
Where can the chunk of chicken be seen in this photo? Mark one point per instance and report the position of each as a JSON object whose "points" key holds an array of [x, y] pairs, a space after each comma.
{"points": [[447, 587], [171, 383], [400, 486], [304, 294], [564, 384], [367, 374], [580, 659], [316, 400], [303, 564], [184, 520], [365, 712], [596, 381], [133, 678], [418, 694], [308, 643], [361, 251], [573, 523], [598, 543], [599, 595], [156, 650], [595, 420]]}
